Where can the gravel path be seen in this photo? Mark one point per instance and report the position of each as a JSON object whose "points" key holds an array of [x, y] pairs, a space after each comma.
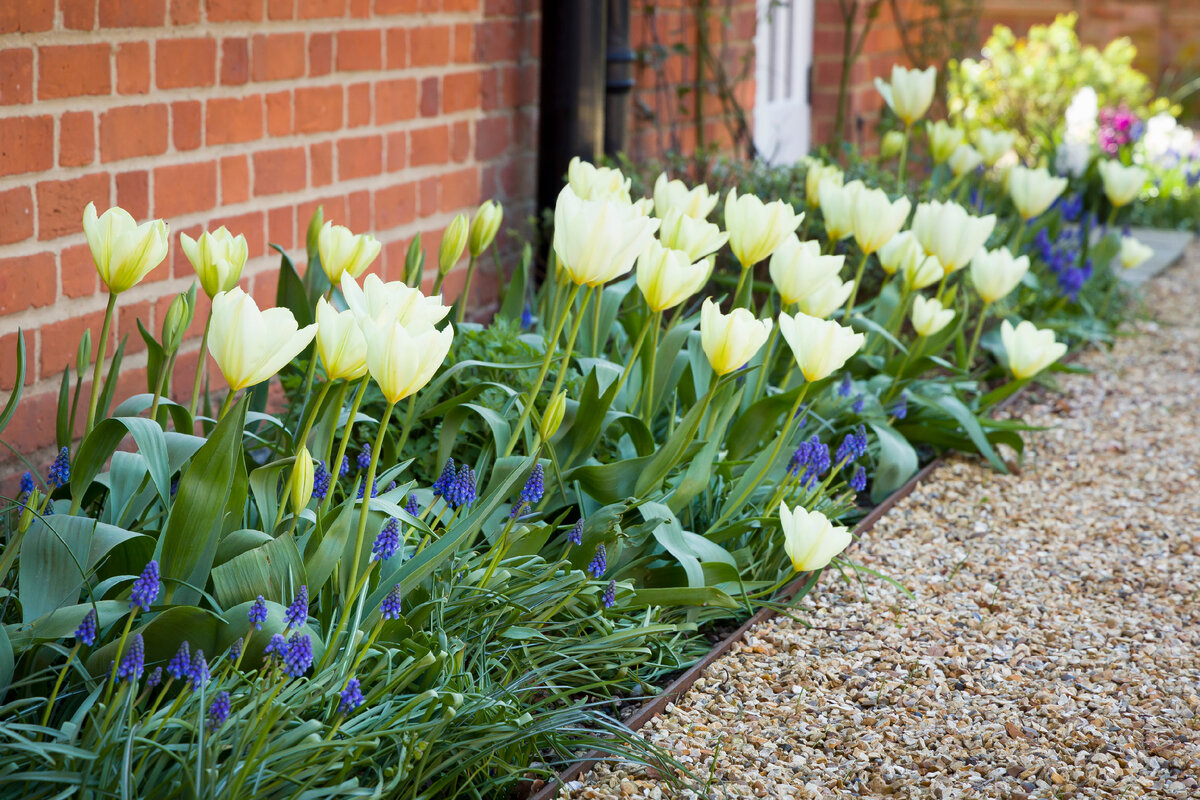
{"points": [[1054, 648]]}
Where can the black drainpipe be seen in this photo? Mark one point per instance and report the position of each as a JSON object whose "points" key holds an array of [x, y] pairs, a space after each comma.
{"points": [[572, 92], [620, 81]]}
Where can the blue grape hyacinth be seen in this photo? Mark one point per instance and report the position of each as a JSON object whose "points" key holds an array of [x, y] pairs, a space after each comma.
{"points": [[411, 506], [258, 613], [853, 447], [299, 655], [321, 481], [60, 470], [344, 469], [442, 484], [198, 674], [276, 648], [461, 493], [218, 712], [609, 598], [155, 678], [133, 662], [235, 649], [364, 459], [844, 386], [390, 607], [900, 407], [387, 542], [351, 697], [599, 563], [181, 663], [297, 613], [858, 481], [532, 492], [145, 588], [27, 484], [86, 632], [575, 535], [859, 402]]}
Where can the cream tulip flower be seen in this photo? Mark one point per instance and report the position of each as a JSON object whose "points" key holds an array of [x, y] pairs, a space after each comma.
{"points": [[249, 345], [900, 250], [909, 93], [825, 298], [342, 251], [837, 207], [1122, 184], [947, 231], [810, 540], [218, 258], [123, 251], [1033, 190], [798, 269], [994, 145], [730, 340], [484, 227], [668, 277], [674, 195], [1029, 350], [818, 172], [943, 140], [590, 182], [402, 361], [964, 160], [923, 272], [820, 346], [1134, 253], [928, 316], [875, 219], [393, 301], [756, 229], [598, 240], [696, 237], [302, 481], [995, 273], [340, 342]]}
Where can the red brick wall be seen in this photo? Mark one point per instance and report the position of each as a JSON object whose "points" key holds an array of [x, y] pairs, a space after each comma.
{"points": [[393, 114]]}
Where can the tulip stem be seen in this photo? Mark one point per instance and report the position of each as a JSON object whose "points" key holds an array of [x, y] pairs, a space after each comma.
{"points": [[975, 339], [551, 343], [226, 403], [901, 174], [159, 383], [365, 509], [465, 297], [96, 368], [858, 276], [566, 358], [1016, 242], [916, 346], [737, 293], [768, 354], [648, 389], [335, 465], [408, 421], [201, 360], [596, 324], [633, 353], [298, 445]]}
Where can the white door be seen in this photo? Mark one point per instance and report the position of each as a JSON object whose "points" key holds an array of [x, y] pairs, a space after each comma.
{"points": [[783, 57]]}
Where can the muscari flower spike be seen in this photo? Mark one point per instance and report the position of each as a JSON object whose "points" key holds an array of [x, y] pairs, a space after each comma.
{"points": [[198, 671], [900, 408], [60, 470], [27, 483], [374, 488], [387, 542], [444, 480], [297, 613], [843, 389], [258, 613], [299, 655], [858, 481], [575, 535], [321, 481], [812, 456], [853, 446], [86, 632], [390, 607], [235, 649], [155, 678], [181, 663], [145, 588], [351, 697], [364, 459], [218, 712], [462, 491], [859, 402], [391, 486], [411, 506], [533, 491], [133, 662], [277, 647], [526, 317], [609, 598], [599, 562]]}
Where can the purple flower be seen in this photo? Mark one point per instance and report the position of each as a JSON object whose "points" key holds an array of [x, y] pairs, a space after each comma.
{"points": [[390, 607], [60, 470], [442, 484], [297, 613], [218, 712], [364, 459], [812, 456], [344, 470], [526, 317], [351, 697], [276, 647], [859, 400], [391, 485], [599, 562], [321, 481], [575, 535], [258, 613], [181, 663], [145, 588], [235, 649], [858, 481], [197, 674], [299, 655], [853, 446], [388, 540], [155, 678], [362, 484], [411, 506], [133, 662], [843, 389], [533, 490], [86, 632], [900, 408], [609, 598], [27, 483], [461, 492]]}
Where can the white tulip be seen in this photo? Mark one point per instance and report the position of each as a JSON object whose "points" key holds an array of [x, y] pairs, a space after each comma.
{"points": [[910, 92], [1033, 190], [900, 250], [590, 182], [402, 362], [1029, 350], [1122, 184], [928, 316], [820, 346], [964, 160], [797, 269], [995, 273], [943, 140], [730, 340], [250, 345], [994, 145], [696, 237], [668, 277], [340, 342], [923, 272], [876, 219], [947, 231], [818, 172], [598, 240], [756, 228], [671, 195], [837, 207], [825, 298], [393, 301], [1134, 253]]}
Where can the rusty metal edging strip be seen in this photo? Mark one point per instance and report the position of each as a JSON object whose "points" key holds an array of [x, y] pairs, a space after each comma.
{"points": [[655, 705]]}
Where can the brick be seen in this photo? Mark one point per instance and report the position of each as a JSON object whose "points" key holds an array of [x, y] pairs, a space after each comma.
{"points": [[320, 157], [78, 271], [60, 203], [281, 9], [359, 50], [16, 209], [318, 9], [235, 179], [133, 131], [360, 157], [76, 139], [78, 15], [132, 13], [429, 146], [16, 76], [358, 105], [397, 151], [395, 206], [318, 109], [396, 44], [234, 11], [431, 48], [27, 282], [184, 189], [60, 341], [427, 197], [492, 138], [181, 63], [133, 193], [278, 171], [358, 210], [187, 124], [360, 9], [279, 114], [128, 315], [234, 119], [395, 100], [464, 44], [235, 61], [431, 96], [495, 41], [26, 144], [281, 227], [185, 12], [320, 54], [460, 141], [133, 68], [460, 189], [26, 16], [395, 6], [277, 56], [73, 69], [460, 91]]}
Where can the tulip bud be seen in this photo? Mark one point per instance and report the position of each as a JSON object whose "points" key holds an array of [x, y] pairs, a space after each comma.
{"points": [[454, 241], [810, 540], [553, 416], [1122, 184], [910, 92], [892, 144], [175, 322], [1033, 190], [123, 251], [484, 227], [34, 499], [1134, 253], [83, 356], [730, 340], [943, 140], [928, 316], [302, 480], [1029, 350], [757, 229]]}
